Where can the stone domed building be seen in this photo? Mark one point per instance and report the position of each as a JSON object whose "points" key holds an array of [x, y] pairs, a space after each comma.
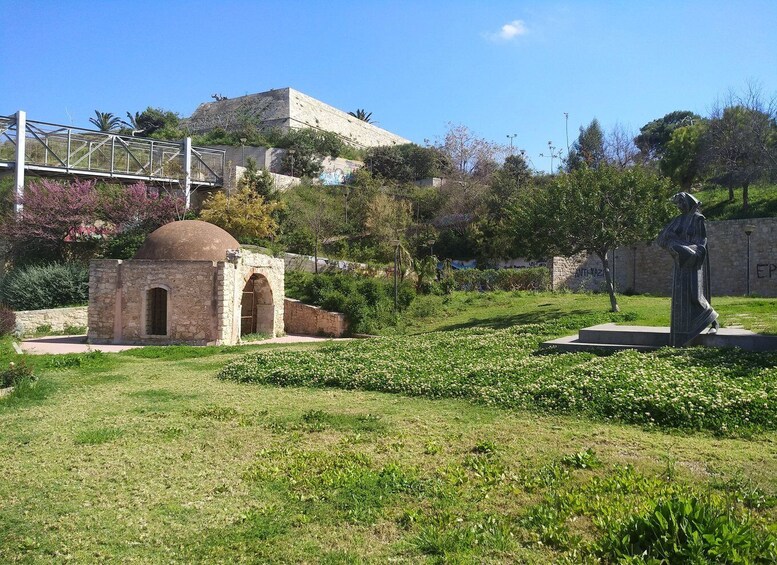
{"points": [[189, 283]]}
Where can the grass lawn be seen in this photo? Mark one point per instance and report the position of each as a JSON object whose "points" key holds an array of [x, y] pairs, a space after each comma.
{"points": [[147, 457], [506, 309], [716, 205]]}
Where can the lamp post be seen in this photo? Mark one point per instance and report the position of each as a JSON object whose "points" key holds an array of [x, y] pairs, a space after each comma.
{"points": [[749, 229], [511, 137], [291, 158], [431, 247], [243, 147], [395, 243]]}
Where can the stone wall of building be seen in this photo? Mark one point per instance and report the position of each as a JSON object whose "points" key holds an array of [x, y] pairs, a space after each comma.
{"points": [[286, 108], [121, 318], [647, 269], [306, 111], [57, 319], [235, 276], [311, 320]]}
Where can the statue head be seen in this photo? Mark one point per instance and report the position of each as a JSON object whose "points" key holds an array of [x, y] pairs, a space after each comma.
{"points": [[686, 202]]}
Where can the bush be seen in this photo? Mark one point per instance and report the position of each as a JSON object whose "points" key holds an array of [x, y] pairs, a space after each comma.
{"points": [[15, 374], [45, 286], [367, 303], [7, 320], [534, 278]]}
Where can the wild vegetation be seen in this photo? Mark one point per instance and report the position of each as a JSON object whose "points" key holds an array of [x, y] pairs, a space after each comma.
{"points": [[146, 456]]}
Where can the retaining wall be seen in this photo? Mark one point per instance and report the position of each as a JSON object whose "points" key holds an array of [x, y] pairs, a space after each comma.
{"points": [[28, 321], [304, 319]]}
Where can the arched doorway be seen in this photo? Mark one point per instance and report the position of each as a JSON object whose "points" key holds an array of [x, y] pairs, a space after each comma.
{"points": [[257, 313]]}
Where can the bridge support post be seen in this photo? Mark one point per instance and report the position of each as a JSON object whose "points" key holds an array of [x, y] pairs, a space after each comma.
{"points": [[21, 138], [187, 172]]}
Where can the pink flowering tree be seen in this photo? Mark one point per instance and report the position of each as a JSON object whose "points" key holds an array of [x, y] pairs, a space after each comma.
{"points": [[75, 221]]}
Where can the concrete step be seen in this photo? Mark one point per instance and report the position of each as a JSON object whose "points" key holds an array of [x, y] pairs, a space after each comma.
{"points": [[626, 335], [574, 343], [611, 337]]}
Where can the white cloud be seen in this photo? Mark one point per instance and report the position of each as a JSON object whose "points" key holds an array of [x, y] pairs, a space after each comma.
{"points": [[509, 31]]}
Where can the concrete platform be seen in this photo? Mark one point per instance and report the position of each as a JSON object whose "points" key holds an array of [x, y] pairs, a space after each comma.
{"points": [[612, 337], [77, 344]]}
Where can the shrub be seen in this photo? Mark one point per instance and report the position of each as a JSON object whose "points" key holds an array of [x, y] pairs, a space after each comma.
{"points": [[15, 374], [367, 303], [45, 286], [7, 320], [534, 278]]}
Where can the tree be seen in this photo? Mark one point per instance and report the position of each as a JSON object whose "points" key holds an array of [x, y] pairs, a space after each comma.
{"points": [[405, 163], [160, 123], [105, 121], [588, 150], [362, 115], [259, 181], [740, 145], [244, 214], [468, 153], [593, 210], [680, 159], [312, 210], [655, 135]]}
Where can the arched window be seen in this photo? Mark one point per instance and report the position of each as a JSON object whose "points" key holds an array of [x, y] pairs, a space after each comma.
{"points": [[156, 311]]}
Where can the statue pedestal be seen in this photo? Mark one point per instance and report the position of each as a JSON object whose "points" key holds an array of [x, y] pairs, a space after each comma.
{"points": [[612, 337]]}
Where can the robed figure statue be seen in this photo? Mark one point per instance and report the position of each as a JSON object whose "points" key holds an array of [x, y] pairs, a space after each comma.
{"points": [[685, 237]]}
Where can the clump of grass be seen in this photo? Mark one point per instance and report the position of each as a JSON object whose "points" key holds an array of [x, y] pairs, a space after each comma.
{"points": [[96, 436], [319, 420]]}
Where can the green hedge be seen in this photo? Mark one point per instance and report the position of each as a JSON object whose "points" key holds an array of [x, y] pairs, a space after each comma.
{"points": [[534, 278], [45, 286], [367, 302]]}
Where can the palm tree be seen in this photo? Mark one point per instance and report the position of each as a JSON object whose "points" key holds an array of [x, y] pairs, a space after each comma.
{"points": [[362, 115], [134, 123], [105, 121]]}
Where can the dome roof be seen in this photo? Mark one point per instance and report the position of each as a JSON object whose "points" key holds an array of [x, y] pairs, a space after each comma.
{"points": [[187, 240]]}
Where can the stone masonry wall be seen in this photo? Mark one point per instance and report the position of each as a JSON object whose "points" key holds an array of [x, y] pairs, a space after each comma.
{"points": [[646, 268], [28, 321], [311, 320], [305, 111], [286, 108], [191, 313]]}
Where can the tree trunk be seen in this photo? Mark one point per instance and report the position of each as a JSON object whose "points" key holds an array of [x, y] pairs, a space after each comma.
{"points": [[608, 281], [745, 197], [730, 193], [315, 255]]}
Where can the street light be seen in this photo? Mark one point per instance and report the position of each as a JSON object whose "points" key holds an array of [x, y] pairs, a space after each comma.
{"points": [[395, 243], [511, 137], [749, 229], [243, 146], [291, 157]]}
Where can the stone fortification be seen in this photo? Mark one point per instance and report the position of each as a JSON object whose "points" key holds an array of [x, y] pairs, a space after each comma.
{"points": [[646, 268], [286, 108]]}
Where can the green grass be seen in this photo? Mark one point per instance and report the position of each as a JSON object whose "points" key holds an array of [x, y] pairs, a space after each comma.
{"points": [[716, 205], [146, 457], [506, 309]]}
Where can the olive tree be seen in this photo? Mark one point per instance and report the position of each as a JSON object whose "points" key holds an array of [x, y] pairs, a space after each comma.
{"points": [[593, 210]]}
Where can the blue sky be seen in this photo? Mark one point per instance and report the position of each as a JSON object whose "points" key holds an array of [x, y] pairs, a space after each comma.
{"points": [[497, 67]]}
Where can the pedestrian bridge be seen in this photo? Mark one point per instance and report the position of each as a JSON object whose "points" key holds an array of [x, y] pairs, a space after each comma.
{"points": [[55, 149]]}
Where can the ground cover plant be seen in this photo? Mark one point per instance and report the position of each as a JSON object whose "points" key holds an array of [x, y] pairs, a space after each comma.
{"points": [[145, 457], [717, 390]]}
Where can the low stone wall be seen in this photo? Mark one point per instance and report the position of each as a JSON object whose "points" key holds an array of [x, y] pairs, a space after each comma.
{"points": [[304, 319], [28, 321]]}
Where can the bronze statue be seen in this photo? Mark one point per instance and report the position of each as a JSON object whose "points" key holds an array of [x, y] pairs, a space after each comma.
{"points": [[685, 237]]}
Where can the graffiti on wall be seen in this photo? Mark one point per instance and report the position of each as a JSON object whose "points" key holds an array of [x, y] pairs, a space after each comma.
{"points": [[766, 271]]}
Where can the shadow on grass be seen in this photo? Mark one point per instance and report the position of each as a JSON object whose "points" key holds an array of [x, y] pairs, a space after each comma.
{"points": [[572, 319]]}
